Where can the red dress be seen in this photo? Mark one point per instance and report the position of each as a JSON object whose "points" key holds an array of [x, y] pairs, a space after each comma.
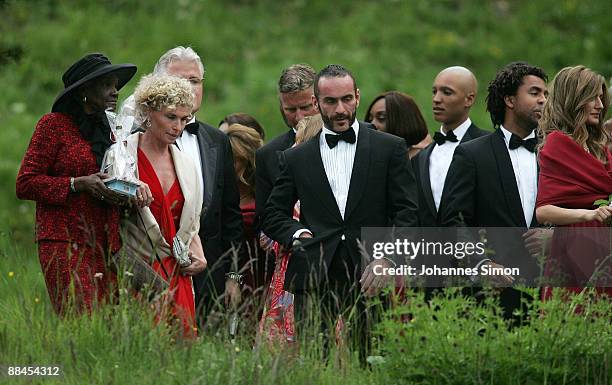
{"points": [[179, 304], [277, 323], [572, 178], [75, 231]]}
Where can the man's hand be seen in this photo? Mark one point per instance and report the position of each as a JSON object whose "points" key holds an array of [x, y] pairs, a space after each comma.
{"points": [[296, 245], [498, 280], [233, 296], [372, 284], [537, 241]]}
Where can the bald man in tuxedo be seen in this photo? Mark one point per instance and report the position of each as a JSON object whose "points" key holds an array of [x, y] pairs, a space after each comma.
{"points": [[454, 93]]}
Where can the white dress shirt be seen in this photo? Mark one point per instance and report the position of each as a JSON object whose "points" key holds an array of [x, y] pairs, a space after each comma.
{"points": [[440, 160], [188, 143], [525, 166], [338, 165]]}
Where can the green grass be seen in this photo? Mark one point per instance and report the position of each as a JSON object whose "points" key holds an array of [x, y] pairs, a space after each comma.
{"points": [[464, 344], [119, 344], [459, 343]]}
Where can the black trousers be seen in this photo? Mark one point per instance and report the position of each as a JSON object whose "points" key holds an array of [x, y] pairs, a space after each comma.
{"points": [[338, 294]]}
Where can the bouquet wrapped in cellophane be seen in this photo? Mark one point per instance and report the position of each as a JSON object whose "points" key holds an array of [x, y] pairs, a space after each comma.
{"points": [[117, 162]]}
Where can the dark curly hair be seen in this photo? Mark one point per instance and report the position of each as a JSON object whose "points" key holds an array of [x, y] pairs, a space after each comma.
{"points": [[506, 83]]}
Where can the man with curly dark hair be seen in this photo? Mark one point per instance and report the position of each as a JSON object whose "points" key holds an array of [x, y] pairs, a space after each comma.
{"points": [[492, 180], [506, 84]]}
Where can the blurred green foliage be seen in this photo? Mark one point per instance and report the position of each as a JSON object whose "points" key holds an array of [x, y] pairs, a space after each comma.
{"points": [[388, 44]]}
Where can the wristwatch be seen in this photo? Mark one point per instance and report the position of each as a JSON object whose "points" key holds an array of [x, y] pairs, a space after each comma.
{"points": [[235, 276]]}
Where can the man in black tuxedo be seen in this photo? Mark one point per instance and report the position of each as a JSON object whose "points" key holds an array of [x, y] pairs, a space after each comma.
{"points": [[492, 181], [295, 93], [347, 177], [454, 94], [221, 228]]}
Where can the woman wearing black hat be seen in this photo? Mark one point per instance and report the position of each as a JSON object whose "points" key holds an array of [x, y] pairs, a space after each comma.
{"points": [[77, 217]]}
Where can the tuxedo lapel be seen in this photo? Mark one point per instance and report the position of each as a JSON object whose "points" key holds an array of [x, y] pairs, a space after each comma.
{"points": [[534, 220], [288, 139], [359, 174], [317, 178], [507, 177], [469, 134], [208, 156], [425, 182]]}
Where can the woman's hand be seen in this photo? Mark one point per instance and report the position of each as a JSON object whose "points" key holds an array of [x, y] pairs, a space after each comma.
{"points": [[601, 214], [559, 216], [93, 185], [198, 264], [144, 197], [198, 260]]}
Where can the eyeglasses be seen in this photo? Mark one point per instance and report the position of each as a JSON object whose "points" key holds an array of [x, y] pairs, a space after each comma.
{"points": [[195, 81]]}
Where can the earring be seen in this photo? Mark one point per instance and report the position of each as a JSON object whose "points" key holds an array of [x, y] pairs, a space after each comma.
{"points": [[84, 99]]}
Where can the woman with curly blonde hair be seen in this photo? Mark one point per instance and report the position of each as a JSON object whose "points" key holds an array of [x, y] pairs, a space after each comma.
{"points": [[575, 172], [165, 234]]}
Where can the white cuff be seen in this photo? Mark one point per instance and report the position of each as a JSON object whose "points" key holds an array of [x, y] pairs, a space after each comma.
{"points": [[475, 277], [300, 232], [390, 260]]}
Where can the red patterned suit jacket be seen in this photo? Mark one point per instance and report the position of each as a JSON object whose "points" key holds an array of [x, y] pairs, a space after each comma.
{"points": [[57, 151]]}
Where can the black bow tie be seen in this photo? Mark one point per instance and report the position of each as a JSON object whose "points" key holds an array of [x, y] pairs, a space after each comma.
{"points": [[440, 138], [348, 136], [192, 127], [516, 142]]}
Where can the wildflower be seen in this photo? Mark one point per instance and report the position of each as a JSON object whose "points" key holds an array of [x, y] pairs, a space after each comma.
{"points": [[129, 273], [237, 349], [98, 275], [37, 300], [10, 274]]}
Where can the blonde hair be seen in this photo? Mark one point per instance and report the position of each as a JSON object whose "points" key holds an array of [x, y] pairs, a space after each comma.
{"points": [[156, 91], [308, 128], [244, 141], [565, 109]]}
